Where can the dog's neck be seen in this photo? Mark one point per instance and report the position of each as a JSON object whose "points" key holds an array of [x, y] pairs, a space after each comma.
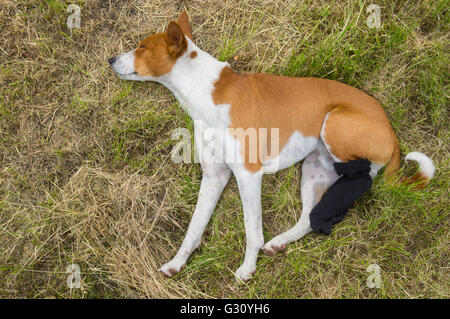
{"points": [[192, 82]]}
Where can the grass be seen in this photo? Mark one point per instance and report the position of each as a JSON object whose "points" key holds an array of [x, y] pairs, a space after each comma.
{"points": [[86, 175]]}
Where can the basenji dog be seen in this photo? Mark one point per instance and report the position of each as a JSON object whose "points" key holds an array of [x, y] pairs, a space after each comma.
{"points": [[319, 120]]}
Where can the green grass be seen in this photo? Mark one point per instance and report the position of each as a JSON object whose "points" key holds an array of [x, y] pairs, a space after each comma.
{"points": [[86, 174]]}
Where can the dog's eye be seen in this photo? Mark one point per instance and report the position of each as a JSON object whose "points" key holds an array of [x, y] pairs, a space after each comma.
{"points": [[141, 46]]}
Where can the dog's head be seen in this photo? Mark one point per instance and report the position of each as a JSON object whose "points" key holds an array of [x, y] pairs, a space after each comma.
{"points": [[156, 55]]}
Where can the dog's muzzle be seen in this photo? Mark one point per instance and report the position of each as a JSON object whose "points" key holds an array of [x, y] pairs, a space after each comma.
{"points": [[123, 64]]}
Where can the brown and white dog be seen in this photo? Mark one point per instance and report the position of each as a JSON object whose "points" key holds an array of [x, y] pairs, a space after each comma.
{"points": [[319, 120]]}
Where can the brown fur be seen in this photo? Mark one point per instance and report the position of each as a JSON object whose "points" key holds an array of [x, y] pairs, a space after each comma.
{"points": [[156, 55], [359, 129], [357, 126], [185, 26], [152, 57], [418, 180]]}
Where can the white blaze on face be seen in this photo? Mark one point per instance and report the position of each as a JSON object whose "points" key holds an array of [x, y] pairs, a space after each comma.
{"points": [[123, 64]]}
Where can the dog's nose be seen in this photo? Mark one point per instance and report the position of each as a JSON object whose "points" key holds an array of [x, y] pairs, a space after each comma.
{"points": [[112, 60]]}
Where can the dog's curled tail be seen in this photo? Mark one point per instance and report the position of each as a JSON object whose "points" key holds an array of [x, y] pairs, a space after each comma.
{"points": [[421, 178]]}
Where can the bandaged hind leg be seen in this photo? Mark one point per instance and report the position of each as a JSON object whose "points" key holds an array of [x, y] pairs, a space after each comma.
{"points": [[316, 178], [353, 182]]}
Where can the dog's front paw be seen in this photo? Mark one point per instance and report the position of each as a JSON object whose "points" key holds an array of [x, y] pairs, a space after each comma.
{"points": [[245, 272], [172, 268], [273, 246]]}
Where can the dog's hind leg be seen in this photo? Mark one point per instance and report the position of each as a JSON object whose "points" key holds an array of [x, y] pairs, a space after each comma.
{"points": [[316, 178], [353, 182]]}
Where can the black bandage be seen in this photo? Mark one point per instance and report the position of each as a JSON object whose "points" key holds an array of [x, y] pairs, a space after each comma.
{"points": [[334, 204]]}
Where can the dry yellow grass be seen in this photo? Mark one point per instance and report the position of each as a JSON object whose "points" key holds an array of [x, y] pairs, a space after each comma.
{"points": [[85, 169]]}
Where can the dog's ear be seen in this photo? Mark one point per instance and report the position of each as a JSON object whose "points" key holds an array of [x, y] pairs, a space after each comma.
{"points": [[176, 42], [183, 22]]}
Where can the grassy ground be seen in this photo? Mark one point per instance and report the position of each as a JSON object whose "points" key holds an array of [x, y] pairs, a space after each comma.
{"points": [[85, 169]]}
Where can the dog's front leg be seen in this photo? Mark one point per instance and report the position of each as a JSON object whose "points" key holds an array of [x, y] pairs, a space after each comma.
{"points": [[215, 178], [250, 192]]}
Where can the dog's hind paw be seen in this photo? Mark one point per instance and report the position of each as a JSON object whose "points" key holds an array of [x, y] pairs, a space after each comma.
{"points": [[172, 268], [271, 248]]}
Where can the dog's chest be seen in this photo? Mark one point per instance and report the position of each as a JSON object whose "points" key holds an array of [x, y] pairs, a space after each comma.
{"points": [[211, 133]]}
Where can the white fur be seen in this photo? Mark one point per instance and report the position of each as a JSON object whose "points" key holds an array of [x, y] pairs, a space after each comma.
{"points": [[250, 191], [123, 66], [426, 165], [322, 134], [374, 168], [294, 151]]}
